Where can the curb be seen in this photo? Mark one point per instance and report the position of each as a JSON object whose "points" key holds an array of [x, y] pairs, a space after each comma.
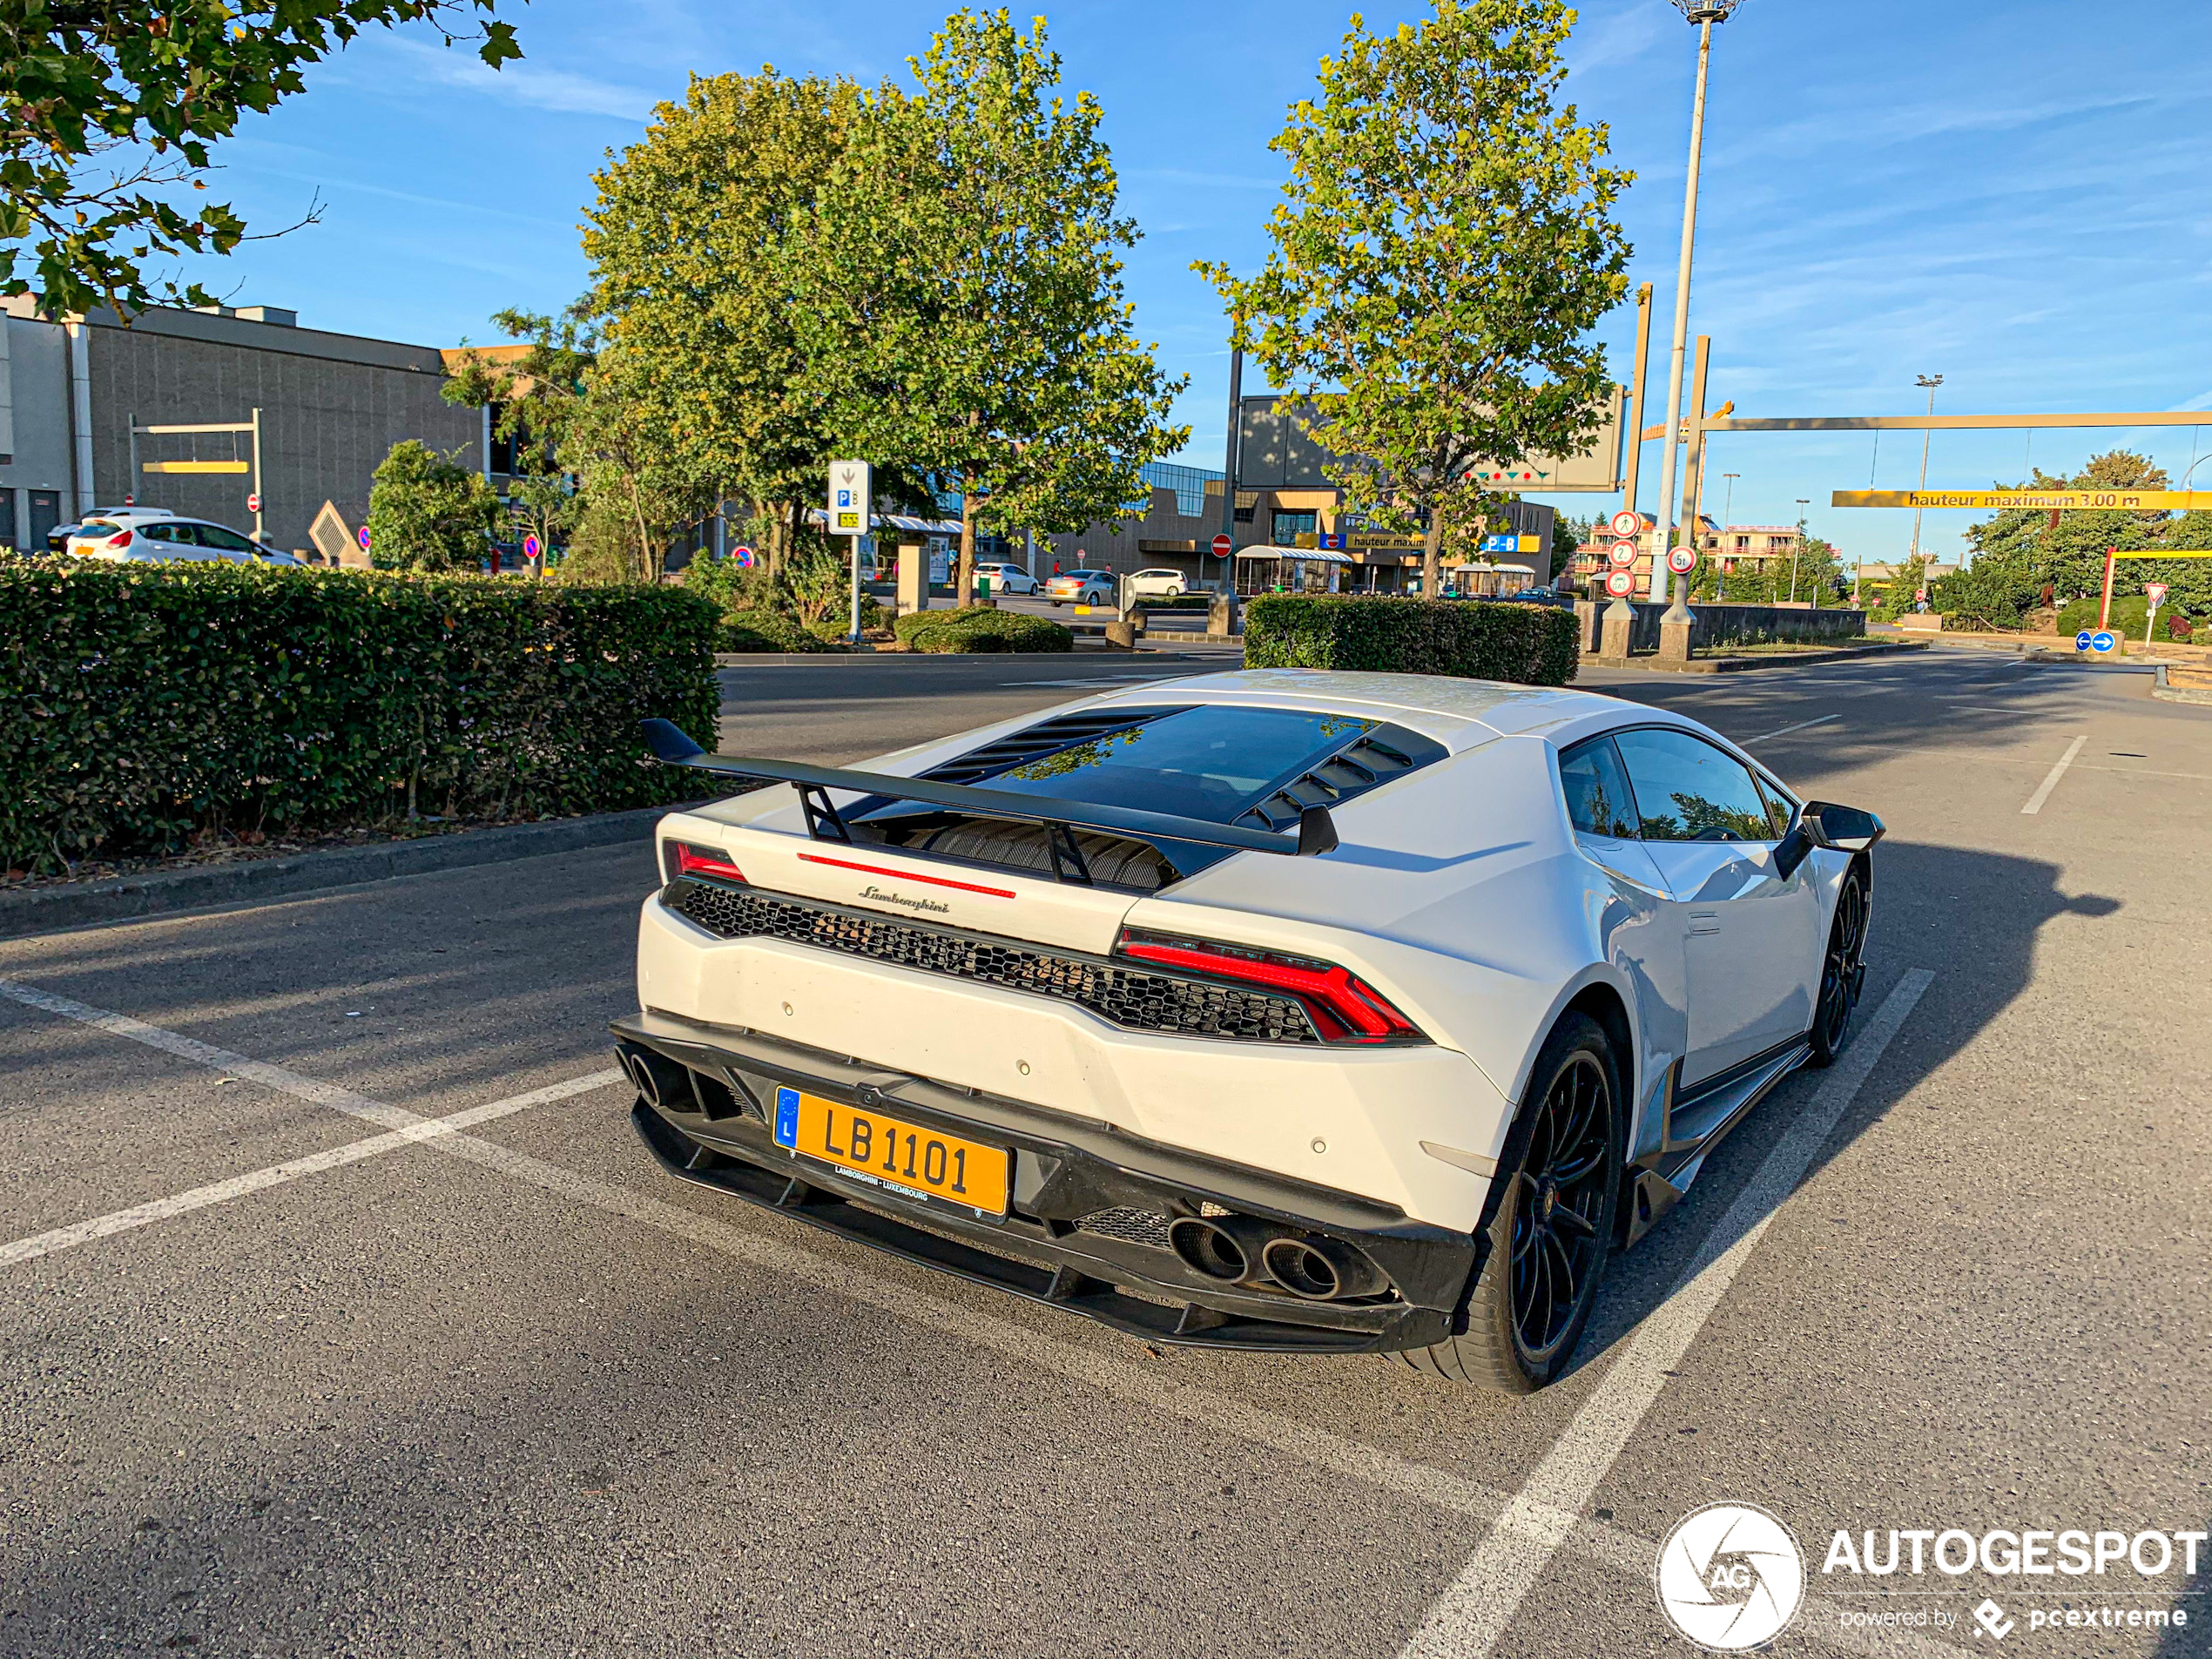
{"points": [[37, 910], [1746, 664], [2189, 694]]}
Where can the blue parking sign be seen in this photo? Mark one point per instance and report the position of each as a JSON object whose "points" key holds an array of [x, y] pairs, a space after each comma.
{"points": [[844, 498]]}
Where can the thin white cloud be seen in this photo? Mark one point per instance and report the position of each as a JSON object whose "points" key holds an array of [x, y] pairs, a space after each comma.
{"points": [[525, 83], [1625, 36]]}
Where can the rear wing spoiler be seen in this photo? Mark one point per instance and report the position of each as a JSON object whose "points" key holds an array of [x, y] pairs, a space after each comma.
{"points": [[1316, 833]]}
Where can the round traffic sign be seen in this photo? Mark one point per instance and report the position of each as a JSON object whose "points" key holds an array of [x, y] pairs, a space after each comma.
{"points": [[2103, 641], [1620, 583], [2081, 640], [743, 557], [252, 503], [1627, 522], [361, 536], [1682, 560], [1221, 546], [531, 546], [1622, 554]]}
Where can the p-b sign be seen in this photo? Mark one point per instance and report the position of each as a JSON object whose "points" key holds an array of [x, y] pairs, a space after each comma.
{"points": [[849, 491]]}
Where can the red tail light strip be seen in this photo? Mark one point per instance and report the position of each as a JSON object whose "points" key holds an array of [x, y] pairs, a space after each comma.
{"points": [[906, 875], [1345, 1008], [686, 857]]}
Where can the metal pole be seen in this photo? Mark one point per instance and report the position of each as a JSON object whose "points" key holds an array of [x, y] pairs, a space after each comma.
{"points": [[1637, 410], [1693, 484], [259, 503], [1679, 612], [1926, 437], [131, 490], [1796, 552], [1229, 465]]}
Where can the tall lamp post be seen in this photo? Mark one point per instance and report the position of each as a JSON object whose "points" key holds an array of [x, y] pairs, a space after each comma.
{"points": [[1798, 552], [1704, 14], [1930, 381]]}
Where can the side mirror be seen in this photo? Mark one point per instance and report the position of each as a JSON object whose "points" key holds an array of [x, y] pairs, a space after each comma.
{"points": [[1852, 829]]}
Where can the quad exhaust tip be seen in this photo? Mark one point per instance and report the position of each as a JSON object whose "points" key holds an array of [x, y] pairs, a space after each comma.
{"points": [[660, 1082], [1237, 1249]]}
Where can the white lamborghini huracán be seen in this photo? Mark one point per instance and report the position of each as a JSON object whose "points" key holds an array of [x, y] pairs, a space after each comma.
{"points": [[1322, 1013]]}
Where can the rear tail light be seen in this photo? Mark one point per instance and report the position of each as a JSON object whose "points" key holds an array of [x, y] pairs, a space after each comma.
{"points": [[1344, 1007], [121, 538], [690, 858]]}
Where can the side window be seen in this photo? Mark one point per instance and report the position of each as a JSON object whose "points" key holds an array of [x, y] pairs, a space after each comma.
{"points": [[161, 533], [1597, 789], [224, 541], [1779, 810], [1687, 789]]}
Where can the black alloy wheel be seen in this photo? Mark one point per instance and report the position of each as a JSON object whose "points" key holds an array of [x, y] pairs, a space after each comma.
{"points": [[1561, 1207], [1842, 971]]}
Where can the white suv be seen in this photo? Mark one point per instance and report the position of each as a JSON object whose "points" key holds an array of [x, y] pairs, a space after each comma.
{"points": [[1159, 584], [1007, 578]]}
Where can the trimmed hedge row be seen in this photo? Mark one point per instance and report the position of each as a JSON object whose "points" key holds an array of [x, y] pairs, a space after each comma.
{"points": [[1530, 644], [139, 704], [980, 628]]}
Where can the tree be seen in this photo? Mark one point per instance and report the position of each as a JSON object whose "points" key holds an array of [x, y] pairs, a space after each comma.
{"points": [[694, 241], [106, 111], [1443, 250], [1568, 536], [603, 411], [961, 304], [428, 512], [2020, 548]]}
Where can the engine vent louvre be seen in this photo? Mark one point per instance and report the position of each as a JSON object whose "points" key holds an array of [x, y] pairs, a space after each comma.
{"points": [[1035, 742], [1362, 765], [1136, 999]]}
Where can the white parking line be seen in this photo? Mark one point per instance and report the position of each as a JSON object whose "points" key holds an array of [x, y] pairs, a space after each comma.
{"points": [[1785, 730], [1108, 679], [1106, 1369], [1469, 1617], [2051, 779], [276, 1175]]}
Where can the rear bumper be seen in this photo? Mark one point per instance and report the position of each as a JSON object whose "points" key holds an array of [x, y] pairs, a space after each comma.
{"points": [[1090, 1203]]}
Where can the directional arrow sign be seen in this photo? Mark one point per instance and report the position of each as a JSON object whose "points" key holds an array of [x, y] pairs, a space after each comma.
{"points": [[849, 493], [2126, 501]]}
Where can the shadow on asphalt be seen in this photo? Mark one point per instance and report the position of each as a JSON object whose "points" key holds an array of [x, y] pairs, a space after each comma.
{"points": [[1972, 918]]}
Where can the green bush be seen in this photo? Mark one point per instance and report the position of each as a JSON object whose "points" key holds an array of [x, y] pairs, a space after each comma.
{"points": [[1528, 644], [2129, 616], [754, 631], [145, 703], [980, 628]]}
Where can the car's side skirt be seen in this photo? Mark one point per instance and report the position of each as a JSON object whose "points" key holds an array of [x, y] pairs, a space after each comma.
{"points": [[1694, 1123]]}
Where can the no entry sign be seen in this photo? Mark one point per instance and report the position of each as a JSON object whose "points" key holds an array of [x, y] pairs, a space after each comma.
{"points": [[1220, 547]]}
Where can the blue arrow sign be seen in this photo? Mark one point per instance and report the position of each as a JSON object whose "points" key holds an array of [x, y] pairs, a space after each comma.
{"points": [[2103, 640]]}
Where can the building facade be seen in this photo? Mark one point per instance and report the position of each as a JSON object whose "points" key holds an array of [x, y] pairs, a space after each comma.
{"points": [[332, 406], [1289, 527]]}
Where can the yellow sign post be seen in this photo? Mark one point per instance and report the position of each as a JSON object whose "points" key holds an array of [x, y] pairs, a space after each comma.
{"points": [[2057, 500]]}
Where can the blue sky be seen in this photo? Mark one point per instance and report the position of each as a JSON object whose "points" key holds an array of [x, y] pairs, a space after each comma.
{"points": [[2018, 196]]}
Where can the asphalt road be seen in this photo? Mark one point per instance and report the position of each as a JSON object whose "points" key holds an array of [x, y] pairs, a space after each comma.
{"points": [[333, 1324]]}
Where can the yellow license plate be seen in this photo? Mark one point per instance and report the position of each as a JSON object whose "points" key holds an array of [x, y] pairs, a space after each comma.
{"points": [[892, 1154]]}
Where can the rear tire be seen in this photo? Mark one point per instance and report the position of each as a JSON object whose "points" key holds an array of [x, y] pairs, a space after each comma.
{"points": [[1553, 1229]]}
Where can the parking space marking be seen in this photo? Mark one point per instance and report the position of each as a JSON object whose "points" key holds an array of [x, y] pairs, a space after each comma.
{"points": [[1785, 732], [1467, 1620], [202, 1054], [1599, 1542], [2051, 779], [80, 1232], [1108, 679]]}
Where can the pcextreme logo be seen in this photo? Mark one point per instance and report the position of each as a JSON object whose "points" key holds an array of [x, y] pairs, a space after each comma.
{"points": [[1730, 1576]]}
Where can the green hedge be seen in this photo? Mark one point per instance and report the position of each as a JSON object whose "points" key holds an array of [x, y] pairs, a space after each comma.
{"points": [[980, 628], [769, 630], [1476, 639], [2129, 616], [139, 704]]}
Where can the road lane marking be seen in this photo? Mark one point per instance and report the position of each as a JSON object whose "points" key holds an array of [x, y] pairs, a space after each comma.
{"points": [[2051, 779], [202, 1054], [1764, 736], [1107, 1370], [238, 1186], [1476, 1609], [1109, 679]]}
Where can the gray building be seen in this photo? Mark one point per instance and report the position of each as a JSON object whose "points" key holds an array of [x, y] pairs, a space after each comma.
{"points": [[332, 406]]}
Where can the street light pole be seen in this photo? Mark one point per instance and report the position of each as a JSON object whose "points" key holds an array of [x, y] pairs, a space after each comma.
{"points": [[1930, 381], [1704, 14], [1229, 462], [1798, 551]]}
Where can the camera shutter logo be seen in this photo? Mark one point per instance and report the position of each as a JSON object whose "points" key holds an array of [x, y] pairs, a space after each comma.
{"points": [[1730, 1577]]}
